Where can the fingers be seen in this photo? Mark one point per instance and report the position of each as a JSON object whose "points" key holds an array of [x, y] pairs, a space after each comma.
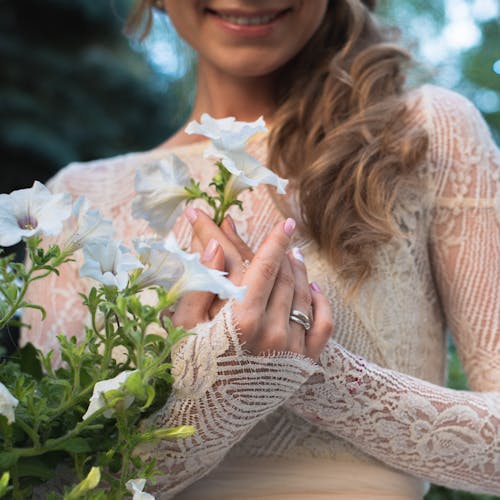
{"points": [[322, 325], [230, 231], [194, 307], [262, 272], [276, 283], [280, 302], [204, 229], [301, 300]]}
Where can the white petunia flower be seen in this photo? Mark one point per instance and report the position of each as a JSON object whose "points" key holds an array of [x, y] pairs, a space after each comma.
{"points": [[90, 226], [226, 133], [98, 398], [8, 404], [196, 277], [229, 139], [161, 267], [109, 263], [160, 189], [135, 486], [27, 212], [247, 171], [165, 264]]}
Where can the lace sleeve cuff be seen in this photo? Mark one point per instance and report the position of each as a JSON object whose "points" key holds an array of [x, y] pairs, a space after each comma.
{"points": [[223, 392], [445, 436]]}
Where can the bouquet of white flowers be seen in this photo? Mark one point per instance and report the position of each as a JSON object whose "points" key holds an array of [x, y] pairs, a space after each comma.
{"points": [[84, 413]]}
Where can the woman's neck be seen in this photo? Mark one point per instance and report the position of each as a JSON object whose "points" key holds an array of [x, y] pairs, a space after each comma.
{"points": [[222, 95]]}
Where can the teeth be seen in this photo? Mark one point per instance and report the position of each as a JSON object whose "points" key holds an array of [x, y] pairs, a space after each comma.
{"points": [[248, 21]]}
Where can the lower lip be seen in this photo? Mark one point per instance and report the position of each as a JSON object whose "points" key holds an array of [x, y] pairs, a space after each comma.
{"points": [[248, 30]]}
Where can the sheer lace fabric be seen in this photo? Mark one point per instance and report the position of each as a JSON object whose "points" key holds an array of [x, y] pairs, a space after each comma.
{"points": [[376, 395]]}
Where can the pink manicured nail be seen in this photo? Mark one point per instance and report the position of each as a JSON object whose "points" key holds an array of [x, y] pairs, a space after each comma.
{"points": [[289, 227], [298, 254], [191, 215], [231, 222], [210, 250], [315, 287]]}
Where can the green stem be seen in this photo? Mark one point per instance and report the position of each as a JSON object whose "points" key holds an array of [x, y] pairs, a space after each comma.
{"points": [[16, 494], [17, 303], [33, 435], [121, 422], [55, 443], [106, 358], [220, 211], [40, 276], [78, 466]]}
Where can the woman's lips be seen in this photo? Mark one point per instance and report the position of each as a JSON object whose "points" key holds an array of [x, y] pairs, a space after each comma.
{"points": [[248, 23]]}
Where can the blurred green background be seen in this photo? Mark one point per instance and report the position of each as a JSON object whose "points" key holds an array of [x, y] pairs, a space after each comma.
{"points": [[74, 88]]}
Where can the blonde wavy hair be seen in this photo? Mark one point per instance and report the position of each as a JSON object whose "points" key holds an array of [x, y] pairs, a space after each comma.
{"points": [[343, 132]]}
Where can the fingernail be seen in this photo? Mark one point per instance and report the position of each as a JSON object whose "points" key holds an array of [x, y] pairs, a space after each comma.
{"points": [[191, 215], [289, 227], [298, 254], [210, 250], [315, 287], [231, 222]]}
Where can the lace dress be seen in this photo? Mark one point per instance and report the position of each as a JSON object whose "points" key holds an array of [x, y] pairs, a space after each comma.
{"points": [[371, 419]]}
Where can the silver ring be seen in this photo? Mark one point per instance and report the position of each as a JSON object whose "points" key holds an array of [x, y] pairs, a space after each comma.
{"points": [[300, 318]]}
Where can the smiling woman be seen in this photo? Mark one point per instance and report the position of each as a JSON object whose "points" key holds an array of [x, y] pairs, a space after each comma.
{"points": [[247, 40], [393, 212]]}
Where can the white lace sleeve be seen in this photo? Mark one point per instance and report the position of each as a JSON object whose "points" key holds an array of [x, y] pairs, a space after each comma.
{"points": [[223, 392], [448, 437]]}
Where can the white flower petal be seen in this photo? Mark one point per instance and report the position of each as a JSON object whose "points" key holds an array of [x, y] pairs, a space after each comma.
{"points": [[227, 133], [98, 401], [90, 226], [8, 404], [161, 267], [248, 170], [160, 188], [197, 277], [27, 212], [109, 263], [135, 486]]}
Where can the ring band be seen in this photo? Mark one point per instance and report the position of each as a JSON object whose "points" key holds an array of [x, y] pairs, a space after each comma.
{"points": [[300, 318]]}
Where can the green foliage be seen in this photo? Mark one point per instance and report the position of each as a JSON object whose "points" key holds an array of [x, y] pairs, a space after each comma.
{"points": [[53, 424], [224, 196], [468, 71], [72, 88]]}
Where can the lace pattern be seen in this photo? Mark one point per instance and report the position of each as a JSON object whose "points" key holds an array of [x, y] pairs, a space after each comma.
{"points": [[223, 393], [378, 395], [445, 436]]}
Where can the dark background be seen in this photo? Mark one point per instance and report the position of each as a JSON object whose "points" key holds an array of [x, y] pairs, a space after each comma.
{"points": [[74, 88]]}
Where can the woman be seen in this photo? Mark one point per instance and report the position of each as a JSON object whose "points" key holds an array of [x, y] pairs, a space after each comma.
{"points": [[397, 198]]}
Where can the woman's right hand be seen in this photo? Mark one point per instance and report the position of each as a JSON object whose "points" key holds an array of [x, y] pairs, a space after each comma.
{"points": [[276, 282]]}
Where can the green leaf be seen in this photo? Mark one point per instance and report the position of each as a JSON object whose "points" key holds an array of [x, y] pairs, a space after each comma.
{"points": [[29, 361], [151, 395], [135, 306], [75, 445], [8, 459], [10, 291], [34, 306], [35, 467], [135, 386], [152, 338], [121, 306], [4, 484], [88, 484], [180, 432]]}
